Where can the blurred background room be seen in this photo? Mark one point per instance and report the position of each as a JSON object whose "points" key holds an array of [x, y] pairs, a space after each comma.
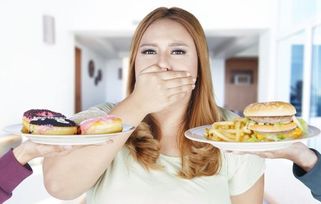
{"points": [[70, 55]]}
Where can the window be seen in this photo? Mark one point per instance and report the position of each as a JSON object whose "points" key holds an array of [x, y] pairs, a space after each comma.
{"points": [[315, 110], [298, 59], [290, 70], [295, 12], [296, 83]]}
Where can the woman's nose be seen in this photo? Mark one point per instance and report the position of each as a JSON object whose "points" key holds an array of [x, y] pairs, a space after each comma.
{"points": [[163, 62]]}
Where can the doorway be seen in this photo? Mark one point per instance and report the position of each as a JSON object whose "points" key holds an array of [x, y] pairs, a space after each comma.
{"points": [[78, 106], [240, 83]]}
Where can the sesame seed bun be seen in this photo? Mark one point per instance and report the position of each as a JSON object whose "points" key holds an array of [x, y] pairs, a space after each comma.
{"points": [[275, 108]]}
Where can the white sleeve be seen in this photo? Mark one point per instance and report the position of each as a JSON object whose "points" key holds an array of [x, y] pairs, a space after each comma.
{"points": [[243, 172], [96, 111]]}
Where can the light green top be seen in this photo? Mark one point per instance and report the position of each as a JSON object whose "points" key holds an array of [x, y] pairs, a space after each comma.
{"points": [[127, 182]]}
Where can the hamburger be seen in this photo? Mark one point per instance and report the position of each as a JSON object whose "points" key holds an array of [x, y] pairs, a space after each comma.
{"points": [[274, 121]]}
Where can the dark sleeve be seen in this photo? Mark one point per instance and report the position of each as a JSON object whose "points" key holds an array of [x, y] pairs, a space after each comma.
{"points": [[311, 179], [12, 173]]}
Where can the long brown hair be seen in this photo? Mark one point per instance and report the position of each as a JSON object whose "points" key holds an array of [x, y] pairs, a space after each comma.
{"points": [[198, 159]]}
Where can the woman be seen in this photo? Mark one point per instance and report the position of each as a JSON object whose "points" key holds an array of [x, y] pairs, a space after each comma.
{"points": [[14, 167], [170, 90]]}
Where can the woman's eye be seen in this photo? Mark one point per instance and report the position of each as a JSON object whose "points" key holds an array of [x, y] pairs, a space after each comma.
{"points": [[178, 52], [149, 52]]}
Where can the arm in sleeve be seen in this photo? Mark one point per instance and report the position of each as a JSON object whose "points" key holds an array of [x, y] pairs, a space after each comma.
{"points": [[311, 179], [95, 111], [12, 173], [227, 114], [243, 172]]}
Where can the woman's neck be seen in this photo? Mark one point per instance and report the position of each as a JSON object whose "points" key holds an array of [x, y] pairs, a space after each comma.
{"points": [[169, 121]]}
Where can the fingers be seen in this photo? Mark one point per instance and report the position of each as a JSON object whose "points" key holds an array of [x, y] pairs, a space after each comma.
{"points": [[180, 89], [69, 148], [51, 150], [109, 141], [176, 97], [56, 150], [235, 152], [160, 87], [164, 73], [151, 69], [268, 154], [173, 74], [176, 82]]}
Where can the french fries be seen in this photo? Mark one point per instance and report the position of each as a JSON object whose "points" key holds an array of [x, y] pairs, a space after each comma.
{"points": [[231, 131], [238, 131]]}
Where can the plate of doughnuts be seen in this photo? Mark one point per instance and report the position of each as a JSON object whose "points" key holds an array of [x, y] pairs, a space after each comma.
{"points": [[49, 127]]}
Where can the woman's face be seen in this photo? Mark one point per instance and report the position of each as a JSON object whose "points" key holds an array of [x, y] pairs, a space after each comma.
{"points": [[167, 44]]}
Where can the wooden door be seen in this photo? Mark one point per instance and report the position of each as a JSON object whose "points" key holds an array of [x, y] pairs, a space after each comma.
{"points": [[78, 107], [240, 83]]}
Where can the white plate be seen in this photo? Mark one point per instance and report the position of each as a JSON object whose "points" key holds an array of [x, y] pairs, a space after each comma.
{"points": [[67, 139], [197, 134]]}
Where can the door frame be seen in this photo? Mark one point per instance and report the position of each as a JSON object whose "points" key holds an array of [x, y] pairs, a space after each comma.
{"points": [[78, 96]]}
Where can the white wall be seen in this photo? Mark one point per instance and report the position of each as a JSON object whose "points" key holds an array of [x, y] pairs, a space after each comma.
{"points": [[267, 74], [218, 78], [36, 75], [282, 187], [251, 51], [33, 74], [243, 14], [92, 94], [114, 85]]}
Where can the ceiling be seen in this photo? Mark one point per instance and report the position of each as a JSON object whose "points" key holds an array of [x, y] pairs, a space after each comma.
{"points": [[223, 44]]}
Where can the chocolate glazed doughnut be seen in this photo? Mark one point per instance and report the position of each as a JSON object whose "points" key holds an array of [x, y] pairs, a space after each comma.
{"points": [[52, 126], [43, 121], [30, 114], [34, 114]]}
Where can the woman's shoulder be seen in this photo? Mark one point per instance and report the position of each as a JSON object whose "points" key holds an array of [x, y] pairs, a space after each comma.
{"points": [[241, 171], [227, 114], [241, 163], [106, 107], [95, 111]]}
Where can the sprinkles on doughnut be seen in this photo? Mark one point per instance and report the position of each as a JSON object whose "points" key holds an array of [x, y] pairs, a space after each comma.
{"points": [[47, 122], [101, 125]]}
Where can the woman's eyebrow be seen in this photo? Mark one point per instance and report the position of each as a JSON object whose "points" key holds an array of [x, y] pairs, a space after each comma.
{"points": [[178, 44], [171, 44], [148, 44]]}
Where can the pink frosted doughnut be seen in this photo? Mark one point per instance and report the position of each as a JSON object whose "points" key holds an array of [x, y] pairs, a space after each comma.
{"points": [[101, 125]]}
